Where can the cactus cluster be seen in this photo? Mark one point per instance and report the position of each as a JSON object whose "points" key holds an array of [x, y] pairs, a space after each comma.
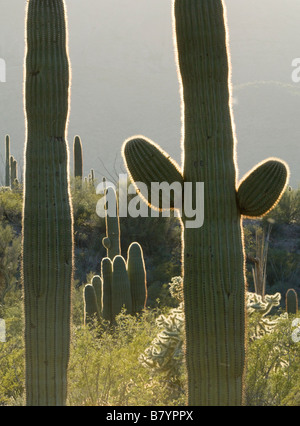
{"points": [[47, 265], [213, 255], [122, 283]]}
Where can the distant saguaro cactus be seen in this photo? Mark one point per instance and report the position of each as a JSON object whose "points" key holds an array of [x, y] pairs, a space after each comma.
{"points": [[213, 255], [137, 276], [78, 157], [291, 302], [91, 308], [7, 160], [112, 241], [47, 216], [120, 287]]}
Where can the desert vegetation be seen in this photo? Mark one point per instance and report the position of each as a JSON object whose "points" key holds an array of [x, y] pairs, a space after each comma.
{"points": [[112, 310]]}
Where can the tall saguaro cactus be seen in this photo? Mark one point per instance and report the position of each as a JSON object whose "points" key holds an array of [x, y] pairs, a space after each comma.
{"points": [[78, 157], [47, 219], [213, 255], [7, 160]]}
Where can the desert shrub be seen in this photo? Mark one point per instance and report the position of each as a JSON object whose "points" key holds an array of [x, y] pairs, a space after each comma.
{"points": [[287, 210], [11, 207], [273, 366], [12, 351], [105, 368], [10, 250]]}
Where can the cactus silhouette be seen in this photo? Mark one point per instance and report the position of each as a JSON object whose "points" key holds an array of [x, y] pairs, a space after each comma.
{"points": [[7, 160], [291, 302], [78, 157], [112, 241], [137, 277], [97, 284], [120, 288], [91, 308], [13, 171], [47, 265], [213, 255], [106, 273]]}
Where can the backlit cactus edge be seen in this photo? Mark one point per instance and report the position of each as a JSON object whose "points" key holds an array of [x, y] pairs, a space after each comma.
{"points": [[213, 255]]}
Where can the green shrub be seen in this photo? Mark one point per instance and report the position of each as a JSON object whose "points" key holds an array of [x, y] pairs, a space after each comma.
{"points": [[106, 370], [273, 372]]}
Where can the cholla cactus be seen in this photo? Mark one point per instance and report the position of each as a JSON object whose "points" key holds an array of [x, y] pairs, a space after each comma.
{"points": [[165, 354], [262, 307], [166, 351]]}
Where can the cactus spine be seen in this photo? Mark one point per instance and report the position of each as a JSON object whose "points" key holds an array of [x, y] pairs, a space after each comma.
{"points": [[47, 216], [78, 157], [291, 302], [213, 255], [7, 160]]}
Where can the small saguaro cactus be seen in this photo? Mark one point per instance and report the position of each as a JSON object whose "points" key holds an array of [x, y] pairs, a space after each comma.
{"points": [[106, 273], [112, 241], [137, 276], [91, 309], [97, 284], [13, 170], [7, 160], [213, 254], [291, 302], [47, 266], [78, 157], [120, 288]]}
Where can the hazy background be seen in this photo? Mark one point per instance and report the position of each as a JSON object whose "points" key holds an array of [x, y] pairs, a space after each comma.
{"points": [[124, 79]]}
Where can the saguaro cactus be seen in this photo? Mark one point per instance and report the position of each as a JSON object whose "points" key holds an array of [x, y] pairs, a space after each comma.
{"points": [[291, 302], [137, 277], [213, 255], [47, 219], [91, 308], [78, 157], [106, 272], [7, 160], [120, 288], [112, 241]]}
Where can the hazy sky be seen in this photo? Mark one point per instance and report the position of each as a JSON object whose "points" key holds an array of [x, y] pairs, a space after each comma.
{"points": [[124, 78]]}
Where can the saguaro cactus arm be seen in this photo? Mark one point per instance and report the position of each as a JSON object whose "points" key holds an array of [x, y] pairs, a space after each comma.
{"points": [[261, 189], [148, 163]]}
